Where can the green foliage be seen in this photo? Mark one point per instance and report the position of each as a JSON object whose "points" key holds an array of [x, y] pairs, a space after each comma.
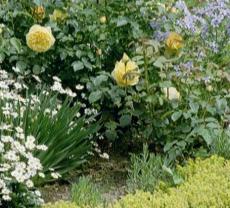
{"points": [[188, 125], [206, 184], [61, 204], [86, 194], [146, 170], [56, 125], [87, 48]]}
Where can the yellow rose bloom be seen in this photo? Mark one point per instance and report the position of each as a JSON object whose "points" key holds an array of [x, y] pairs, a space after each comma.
{"points": [[40, 39], [171, 93], [39, 13], [174, 10], [126, 72], [103, 19], [174, 41], [58, 15]]}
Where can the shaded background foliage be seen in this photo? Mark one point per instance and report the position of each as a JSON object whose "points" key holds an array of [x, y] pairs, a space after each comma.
{"points": [[86, 50]]}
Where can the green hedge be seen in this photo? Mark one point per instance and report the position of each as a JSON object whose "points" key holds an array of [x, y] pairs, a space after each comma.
{"points": [[206, 184]]}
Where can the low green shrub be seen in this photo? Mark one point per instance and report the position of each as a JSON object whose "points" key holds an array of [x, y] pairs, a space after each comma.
{"points": [[61, 204], [86, 194], [206, 184]]}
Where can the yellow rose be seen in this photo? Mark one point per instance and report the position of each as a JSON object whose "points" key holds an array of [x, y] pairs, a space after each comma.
{"points": [[103, 19], [58, 15], [126, 72], [174, 41], [209, 88], [40, 39], [99, 52], [171, 93], [38, 13], [174, 10]]}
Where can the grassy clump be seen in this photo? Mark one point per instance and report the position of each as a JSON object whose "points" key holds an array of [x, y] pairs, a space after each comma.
{"points": [[86, 194]]}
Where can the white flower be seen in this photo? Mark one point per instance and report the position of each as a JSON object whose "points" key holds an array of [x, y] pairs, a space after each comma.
{"points": [[42, 175], [6, 197], [18, 147], [42, 147], [5, 126], [18, 86], [54, 112], [30, 142], [5, 191], [55, 78], [105, 156], [38, 193], [79, 87], [29, 184], [19, 129], [57, 86], [70, 93], [55, 175], [34, 163], [4, 167], [47, 111], [20, 135], [11, 155], [171, 93], [2, 184], [1, 147]]}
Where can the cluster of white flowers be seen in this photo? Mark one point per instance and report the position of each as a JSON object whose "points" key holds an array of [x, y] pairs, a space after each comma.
{"points": [[98, 151], [57, 86], [18, 165]]}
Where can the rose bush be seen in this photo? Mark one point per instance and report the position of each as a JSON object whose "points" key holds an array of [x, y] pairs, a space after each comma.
{"points": [[176, 102]]}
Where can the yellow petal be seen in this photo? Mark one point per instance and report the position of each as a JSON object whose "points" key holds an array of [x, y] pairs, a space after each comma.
{"points": [[119, 72], [174, 41], [125, 58], [171, 93], [131, 66]]}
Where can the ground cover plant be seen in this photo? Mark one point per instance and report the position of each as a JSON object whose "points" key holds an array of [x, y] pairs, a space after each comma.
{"points": [[205, 185], [87, 83]]}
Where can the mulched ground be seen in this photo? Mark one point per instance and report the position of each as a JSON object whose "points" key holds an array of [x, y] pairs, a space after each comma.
{"points": [[109, 175]]}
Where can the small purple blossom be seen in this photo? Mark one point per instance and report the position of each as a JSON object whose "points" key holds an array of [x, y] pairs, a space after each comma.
{"points": [[216, 11], [177, 70], [204, 31], [188, 65], [214, 47], [161, 36], [154, 25], [206, 79], [206, 21], [228, 29]]}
